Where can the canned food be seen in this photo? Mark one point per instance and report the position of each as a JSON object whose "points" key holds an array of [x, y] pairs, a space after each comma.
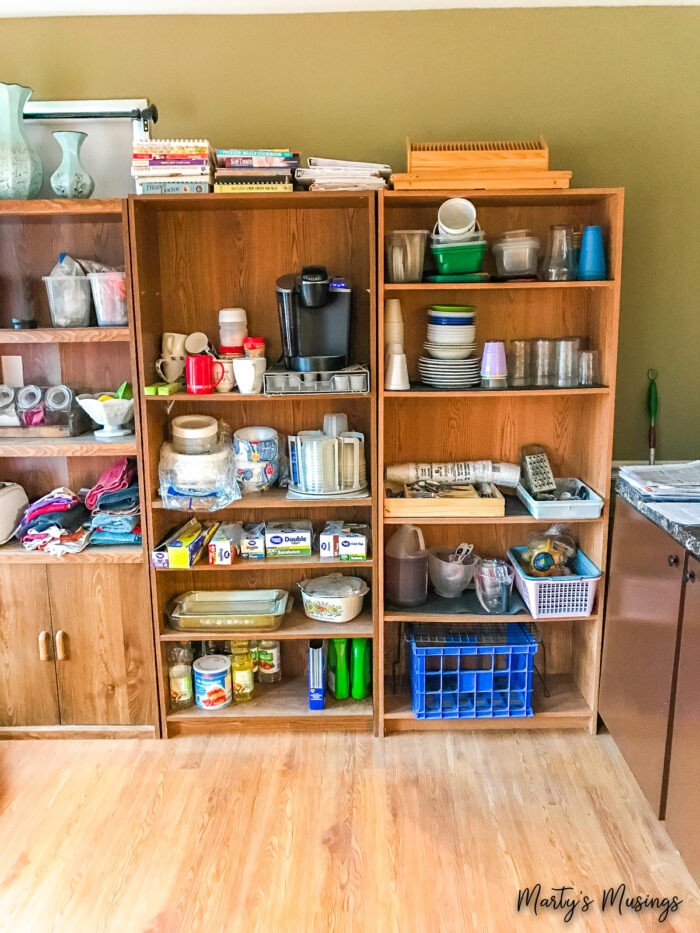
{"points": [[212, 681]]}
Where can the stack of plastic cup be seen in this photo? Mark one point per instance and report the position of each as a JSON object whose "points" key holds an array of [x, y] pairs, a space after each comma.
{"points": [[519, 362], [494, 372], [591, 265]]}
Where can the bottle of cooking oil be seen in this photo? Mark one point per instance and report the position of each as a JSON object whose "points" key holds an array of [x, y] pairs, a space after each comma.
{"points": [[270, 668], [242, 672]]}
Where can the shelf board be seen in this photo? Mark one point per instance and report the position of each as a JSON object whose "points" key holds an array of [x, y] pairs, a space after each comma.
{"points": [[481, 286], [237, 397], [66, 335], [276, 498], [14, 553], [294, 625], [269, 563], [276, 707], [83, 446], [565, 708], [418, 390], [420, 615], [516, 513], [62, 207]]}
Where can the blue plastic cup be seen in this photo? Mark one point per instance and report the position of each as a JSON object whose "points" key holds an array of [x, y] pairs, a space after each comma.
{"points": [[591, 264]]}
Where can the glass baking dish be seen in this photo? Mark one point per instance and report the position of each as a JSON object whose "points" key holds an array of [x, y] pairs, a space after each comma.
{"points": [[228, 610]]}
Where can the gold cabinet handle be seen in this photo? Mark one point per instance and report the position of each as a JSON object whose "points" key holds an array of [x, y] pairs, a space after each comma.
{"points": [[44, 646], [61, 646]]}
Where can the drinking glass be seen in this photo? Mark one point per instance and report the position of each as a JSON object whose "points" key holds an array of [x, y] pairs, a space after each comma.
{"points": [[542, 362], [520, 362], [560, 259], [589, 368], [568, 350]]}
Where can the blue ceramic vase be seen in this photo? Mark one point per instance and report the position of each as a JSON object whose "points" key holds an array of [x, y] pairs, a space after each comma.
{"points": [[21, 172], [70, 180]]}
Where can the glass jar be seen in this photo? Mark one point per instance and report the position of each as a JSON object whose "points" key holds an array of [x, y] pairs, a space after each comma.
{"points": [[270, 662], [180, 659], [254, 655], [242, 672]]}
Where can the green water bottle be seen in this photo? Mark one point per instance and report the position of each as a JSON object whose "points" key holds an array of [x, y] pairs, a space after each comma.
{"points": [[338, 672], [360, 668]]}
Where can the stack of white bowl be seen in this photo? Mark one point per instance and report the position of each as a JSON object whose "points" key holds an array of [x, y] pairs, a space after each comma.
{"points": [[450, 361]]}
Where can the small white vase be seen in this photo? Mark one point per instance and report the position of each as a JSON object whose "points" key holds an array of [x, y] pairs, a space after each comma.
{"points": [[70, 180]]}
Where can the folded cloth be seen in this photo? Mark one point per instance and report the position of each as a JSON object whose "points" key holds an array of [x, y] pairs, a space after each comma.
{"points": [[59, 499], [107, 521], [70, 520], [68, 544], [120, 475], [114, 537], [117, 500], [133, 510]]}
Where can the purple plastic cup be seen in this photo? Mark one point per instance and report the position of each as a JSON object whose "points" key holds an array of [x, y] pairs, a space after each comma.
{"points": [[493, 362]]}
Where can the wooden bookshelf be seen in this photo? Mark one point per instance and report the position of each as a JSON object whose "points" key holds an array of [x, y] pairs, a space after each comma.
{"points": [[193, 255], [574, 425]]}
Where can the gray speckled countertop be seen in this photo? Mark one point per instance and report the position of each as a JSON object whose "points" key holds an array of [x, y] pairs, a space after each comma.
{"points": [[688, 536]]}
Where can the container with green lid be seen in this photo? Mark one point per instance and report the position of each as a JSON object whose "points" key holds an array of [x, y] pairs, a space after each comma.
{"points": [[459, 258]]}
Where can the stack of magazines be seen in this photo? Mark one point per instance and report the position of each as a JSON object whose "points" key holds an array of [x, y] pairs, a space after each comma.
{"points": [[341, 175], [172, 166], [679, 482], [255, 170]]}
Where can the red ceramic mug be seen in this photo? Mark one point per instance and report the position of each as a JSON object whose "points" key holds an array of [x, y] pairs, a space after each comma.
{"points": [[201, 374]]}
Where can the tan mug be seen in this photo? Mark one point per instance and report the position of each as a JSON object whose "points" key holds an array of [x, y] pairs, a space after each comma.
{"points": [[173, 344], [171, 368], [228, 380]]}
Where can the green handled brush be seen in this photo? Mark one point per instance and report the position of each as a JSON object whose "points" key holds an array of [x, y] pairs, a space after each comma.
{"points": [[652, 409]]}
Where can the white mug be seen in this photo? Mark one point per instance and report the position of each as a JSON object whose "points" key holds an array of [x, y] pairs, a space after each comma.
{"points": [[228, 380], [171, 368], [197, 342], [249, 374], [173, 344]]}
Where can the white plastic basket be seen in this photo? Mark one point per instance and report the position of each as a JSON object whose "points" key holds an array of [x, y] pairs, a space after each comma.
{"points": [[558, 597]]}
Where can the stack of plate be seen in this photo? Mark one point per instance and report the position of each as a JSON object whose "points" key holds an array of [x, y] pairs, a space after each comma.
{"points": [[450, 374]]}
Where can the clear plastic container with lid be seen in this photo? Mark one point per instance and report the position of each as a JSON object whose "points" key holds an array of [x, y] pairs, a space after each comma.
{"points": [[233, 327], [195, 434], [516, 253]]}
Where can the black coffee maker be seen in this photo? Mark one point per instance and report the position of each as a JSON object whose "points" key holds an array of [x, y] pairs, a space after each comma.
{"points": [[314, 313]]}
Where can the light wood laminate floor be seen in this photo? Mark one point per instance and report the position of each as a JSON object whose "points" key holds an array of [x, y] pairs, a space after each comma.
{"points": [[306, 833]]}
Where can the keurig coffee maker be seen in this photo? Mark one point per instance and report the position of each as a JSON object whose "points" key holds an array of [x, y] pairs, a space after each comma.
{"points": [[314, 313]]}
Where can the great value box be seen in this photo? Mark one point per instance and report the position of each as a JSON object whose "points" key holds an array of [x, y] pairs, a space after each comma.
{"points": [[344, 541]]}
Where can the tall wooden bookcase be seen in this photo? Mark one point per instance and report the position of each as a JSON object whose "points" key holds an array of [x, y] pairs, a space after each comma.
{"points": [[191, 256], [76, 650], [575, 425]]}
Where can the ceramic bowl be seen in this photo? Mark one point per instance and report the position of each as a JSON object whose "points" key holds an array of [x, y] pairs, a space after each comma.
{"points": [[447, 352], [111, 414]]}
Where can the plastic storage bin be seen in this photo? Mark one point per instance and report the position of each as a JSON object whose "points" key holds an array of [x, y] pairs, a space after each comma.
{"points": [[562, 508], [109, 294], [480, 673], [70, 300], [557, 597], [458, 258], [516, 254]]}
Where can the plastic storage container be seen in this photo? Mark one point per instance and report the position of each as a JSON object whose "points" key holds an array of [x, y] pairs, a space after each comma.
{"points": [[109, 295], [406, 567], [233, 327], [515, 253], [458, 258], [404, 252], [195, 434], [557, 597], [563, 508], [448, 577], [333, 598], [70, 300], [228, 610], [484, 672]]}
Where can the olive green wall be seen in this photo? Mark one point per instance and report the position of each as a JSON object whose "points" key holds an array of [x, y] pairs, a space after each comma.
{"points": [[608, 88]]}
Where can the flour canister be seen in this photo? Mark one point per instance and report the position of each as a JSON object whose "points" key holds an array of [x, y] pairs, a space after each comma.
{"points": [[212, 681]]}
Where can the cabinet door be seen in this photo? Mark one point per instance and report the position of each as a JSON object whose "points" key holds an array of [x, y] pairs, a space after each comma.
{"points": [[683, 803], [639, 643], [101, 617], [28, 695]]}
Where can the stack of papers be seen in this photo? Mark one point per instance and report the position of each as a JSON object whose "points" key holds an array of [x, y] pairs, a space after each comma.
{"points": [[341, 175], [674, 482]]}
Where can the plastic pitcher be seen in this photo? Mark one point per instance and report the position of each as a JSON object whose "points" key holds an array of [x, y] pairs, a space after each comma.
{"points": [[406, 567]]}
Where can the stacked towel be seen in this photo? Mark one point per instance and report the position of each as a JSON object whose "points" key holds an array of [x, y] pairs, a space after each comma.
{"points": [[115, 506], [58, 524], [119, 476]]}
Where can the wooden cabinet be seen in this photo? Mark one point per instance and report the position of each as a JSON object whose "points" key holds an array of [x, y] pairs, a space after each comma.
{"points": [[682, 806], [28, 692], [644, 595]]}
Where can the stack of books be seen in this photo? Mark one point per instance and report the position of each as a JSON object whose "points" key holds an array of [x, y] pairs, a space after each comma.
{"points": [[255, 170], [343, 175], [172, 166]]}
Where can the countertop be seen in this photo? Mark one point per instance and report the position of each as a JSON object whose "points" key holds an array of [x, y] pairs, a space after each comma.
{"points": [[688, 536]]}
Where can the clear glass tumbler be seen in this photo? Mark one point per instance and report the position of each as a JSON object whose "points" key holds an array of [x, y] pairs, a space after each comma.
{"points": [[560, 259]]}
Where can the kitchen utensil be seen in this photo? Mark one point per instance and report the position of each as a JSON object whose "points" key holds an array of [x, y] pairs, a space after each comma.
{"points": [[560, 260], [567, 353], [449, 352], [404, 252], [589, 368], [314, 316], [462, 552], [592, 258], [203, 374], [449, 576], [195, 434], [652, 409], [542, 362], [461, 336], [406, 567], [249, 375], [396, 376], [519, 362], [228, 610], [537, 473], [456, 217], [333, 598], [493, 581], [109, 295]]}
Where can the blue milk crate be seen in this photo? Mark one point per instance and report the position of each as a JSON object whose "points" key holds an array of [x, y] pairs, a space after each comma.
{"points": [[477, 672]]}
